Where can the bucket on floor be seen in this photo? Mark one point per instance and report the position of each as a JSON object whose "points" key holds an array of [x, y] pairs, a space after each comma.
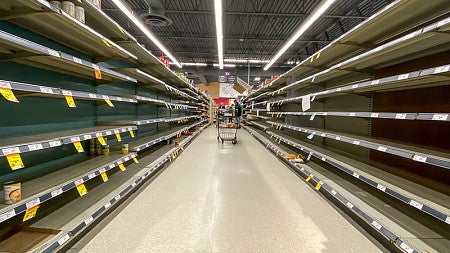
{"points": [[13, 192]]}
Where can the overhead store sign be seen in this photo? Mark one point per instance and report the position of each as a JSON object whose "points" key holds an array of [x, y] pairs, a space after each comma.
{"points": [[227, 90], [227, 79]]}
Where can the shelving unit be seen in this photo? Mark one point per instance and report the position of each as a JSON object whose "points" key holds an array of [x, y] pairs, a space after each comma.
{"points": [[369, 114], [123, 95]]}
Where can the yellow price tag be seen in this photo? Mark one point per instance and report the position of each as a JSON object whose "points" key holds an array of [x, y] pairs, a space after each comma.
{"points": [[271, 137], [98, 73], [104, 176], [8, 95], [122, 167], [279, 91], [106, 42], [120, 29], [318, 185], [173, 156], [279, 141], [78, 146], [312, 59], [318, 55], [70, 101], [267, 145], [135, 160], [30, 213], [132, 133], [15, 161], [119, 138], [101, 140], [82, 189], [308, 178], [182, 148], [109, 102], [272, 125]]}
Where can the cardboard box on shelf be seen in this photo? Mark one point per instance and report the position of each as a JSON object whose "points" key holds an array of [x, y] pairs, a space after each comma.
{"points": [[23, 239]]}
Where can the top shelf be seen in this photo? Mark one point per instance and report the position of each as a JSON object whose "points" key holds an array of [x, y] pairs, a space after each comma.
{"points": [[51, 22]]}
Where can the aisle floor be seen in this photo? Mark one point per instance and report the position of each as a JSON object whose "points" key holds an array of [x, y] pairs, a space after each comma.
{"points": [[228, 198]]}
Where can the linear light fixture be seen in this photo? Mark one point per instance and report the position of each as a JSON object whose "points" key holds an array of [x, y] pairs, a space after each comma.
{"points": [[225, 65], [316, 13], [199, 64], [245, 61], [145, 30], [219, 30]]}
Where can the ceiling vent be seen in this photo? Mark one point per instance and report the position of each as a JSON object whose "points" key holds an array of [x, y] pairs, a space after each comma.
{"points": [[155, 15]]}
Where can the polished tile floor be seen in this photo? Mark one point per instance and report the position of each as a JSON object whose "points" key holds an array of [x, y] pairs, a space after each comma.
{"points": [[228, 198]]}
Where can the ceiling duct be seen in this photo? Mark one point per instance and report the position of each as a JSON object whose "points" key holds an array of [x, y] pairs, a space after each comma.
{"points": [[156, 14]]}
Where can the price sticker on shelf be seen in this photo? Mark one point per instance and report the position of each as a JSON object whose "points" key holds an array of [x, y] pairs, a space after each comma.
{"points": [[375, 82], [46, 90], [34, 147], [109, 103], [101, 140], [356, 142], [30, 213], [78, 146], [118, 137], [8, 94], [106, 42], [350, 205], [415, 204], [355, 174], [82, 189], [132, 133], [376, 225], [441, 117], [15, 161], [381, 148], [7, 215], [70, 101], [122, 167], [97, 72], [400, 116], [441, 69], [420, 158], [135, 160], [406, 247], [308, 178], [53, 53], [104, 176], [381, 187], [318, 185], [318, 55], [352, 114], [56, 192], [77, 60]]}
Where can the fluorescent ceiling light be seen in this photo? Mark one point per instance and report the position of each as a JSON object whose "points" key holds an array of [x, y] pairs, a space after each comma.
{"points": [[201, 64], [225, 65], [257, 79], [145, 30], [150, 76], [316, 13], [245, 61], [219, 32]]}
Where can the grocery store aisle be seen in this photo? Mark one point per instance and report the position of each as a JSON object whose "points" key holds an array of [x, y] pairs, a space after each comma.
{"points": [[228, 198]]}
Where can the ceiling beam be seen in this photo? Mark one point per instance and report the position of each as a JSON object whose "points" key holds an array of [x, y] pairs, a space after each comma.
{"points": [[232, 39], [247, 13]]}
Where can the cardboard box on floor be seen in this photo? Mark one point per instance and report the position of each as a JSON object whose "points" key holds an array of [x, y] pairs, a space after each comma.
{"points": [[23, 239]]}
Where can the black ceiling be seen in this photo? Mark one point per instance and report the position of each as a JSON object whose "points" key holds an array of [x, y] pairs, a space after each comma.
{"points": [[253, 29]]}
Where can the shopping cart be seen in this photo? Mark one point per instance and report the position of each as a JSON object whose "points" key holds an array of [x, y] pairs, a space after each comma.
{"points": [[226, 125]]}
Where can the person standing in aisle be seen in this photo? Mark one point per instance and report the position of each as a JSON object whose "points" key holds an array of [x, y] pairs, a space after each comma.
{"points": [[238, 111]]}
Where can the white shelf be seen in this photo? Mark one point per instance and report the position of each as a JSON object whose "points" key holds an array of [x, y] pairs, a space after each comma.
{"points": [[373, 115], [35, 142], [422, 155], [354, 169], [53, 23], [49, 186], [315, 180], [23, 51], [45, 91]]}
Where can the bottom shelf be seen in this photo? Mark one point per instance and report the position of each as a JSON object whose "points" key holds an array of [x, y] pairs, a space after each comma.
{"points": [[76, 215]]}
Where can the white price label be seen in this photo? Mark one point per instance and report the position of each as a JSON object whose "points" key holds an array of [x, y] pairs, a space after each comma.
{"points": [[374, 115], [400, 116], [354, 86], [5, 85], [415, 204], [98, 134], [95, 66], [32, 203], [56, 192], [119, 99], [53, 53], [338, 89], [352, 114], [79, 181], [103, 170], [74, 139], [91, 95], [381, 148], [406, 247], [338, 138], [356, 142], [66, 92], [350, 205], [112, 166], [87, 136], [64, 239], [323, 159], [447, 220], [107, 205], [133, 184], [77, 60], [105, 97], [442, 117], [91, 176], [117, 197], [108, 133], [9, 151], [441, 69], [377, 225], [54, 143], [375, 82], [34, 147], [88, 220], [420, 158], [333, 192], [46, 90], [355, 174], [381, 187], [7, 215], [404, 76]]}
